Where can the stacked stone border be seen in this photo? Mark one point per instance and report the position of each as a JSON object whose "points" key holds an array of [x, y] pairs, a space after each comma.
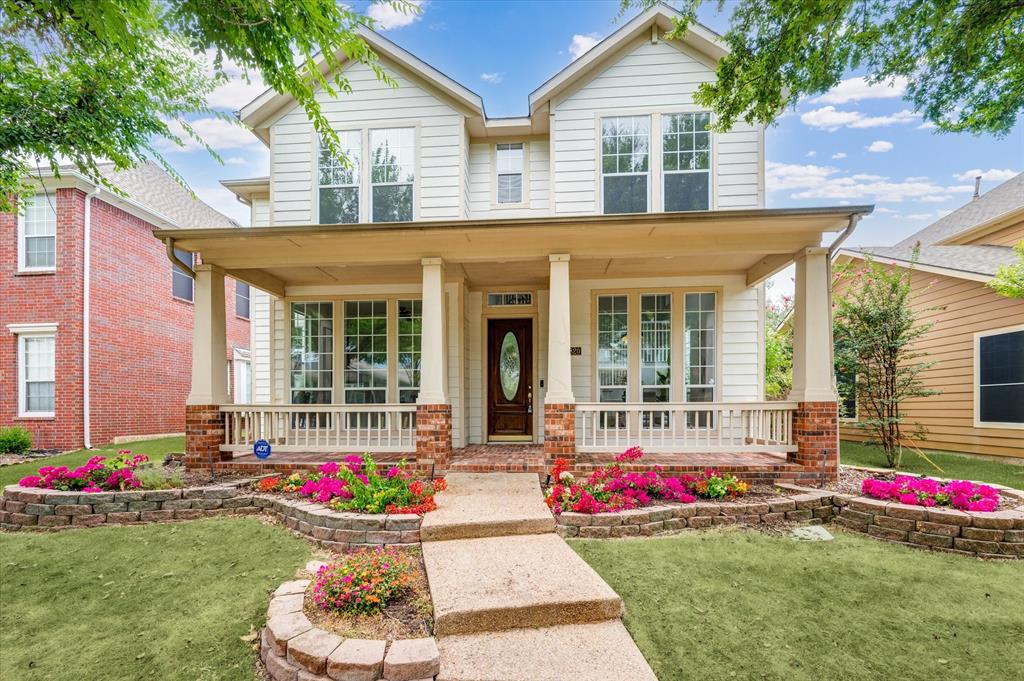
{"points": [[293, 649], [31, 508], [998, 534]]}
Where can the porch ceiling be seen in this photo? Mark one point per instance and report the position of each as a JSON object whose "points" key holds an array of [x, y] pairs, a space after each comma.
{"points": [[497, 252]]}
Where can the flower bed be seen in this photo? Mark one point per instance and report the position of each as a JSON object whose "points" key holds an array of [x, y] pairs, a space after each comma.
{"points": [[126, 471], [609, 489], [959, 494], [357, 485]]}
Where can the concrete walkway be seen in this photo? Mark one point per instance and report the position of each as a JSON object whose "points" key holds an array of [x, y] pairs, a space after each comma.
{"points": [[511, 600]]}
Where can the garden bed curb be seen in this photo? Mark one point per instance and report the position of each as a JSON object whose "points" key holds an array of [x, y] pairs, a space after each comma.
{"points": [[33, 508], [293, 649]]}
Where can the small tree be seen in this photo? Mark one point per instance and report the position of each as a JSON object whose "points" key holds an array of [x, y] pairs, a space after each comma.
{"points": [[875, 332], [778, 352], [1009, 280]]}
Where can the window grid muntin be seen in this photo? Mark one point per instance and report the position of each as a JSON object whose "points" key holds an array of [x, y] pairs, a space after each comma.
{"points": [[38, 374], [410, 327], [334, 178], [366, 351], [656, 354], [312, 352], [39, 233], [393, 164], [613, 355], [509, 160], [699, 348], [686, 150], [625, 153]]}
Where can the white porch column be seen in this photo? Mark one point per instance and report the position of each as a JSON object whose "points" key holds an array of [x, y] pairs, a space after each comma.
{"points": [[209, 339], [434, 353], [812, 330], [559, 387]]}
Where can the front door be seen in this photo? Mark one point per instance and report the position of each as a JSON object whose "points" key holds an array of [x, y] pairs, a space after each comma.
{"points": [[510, 379]]}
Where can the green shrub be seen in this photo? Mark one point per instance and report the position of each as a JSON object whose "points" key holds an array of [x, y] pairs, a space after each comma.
{"points": [[157, 477], [15, 440]]}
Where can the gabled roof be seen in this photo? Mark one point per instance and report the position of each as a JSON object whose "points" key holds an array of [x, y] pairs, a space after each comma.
{"points": [[977, 260]]}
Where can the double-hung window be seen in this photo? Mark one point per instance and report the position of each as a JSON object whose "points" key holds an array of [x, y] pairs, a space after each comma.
{"points": [[509, 164], [686, 161], [699, 328], [242, 299], [339, 181], [656, 354], [410, 325], [392, 174], [37, 235], [613, 355], [36, 373], [366, 351], [999, 371], [625, 164], [312, 352], [182, 286]]}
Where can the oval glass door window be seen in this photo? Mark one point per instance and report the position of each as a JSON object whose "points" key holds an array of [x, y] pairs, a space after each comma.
{"points": [[509, 366]]}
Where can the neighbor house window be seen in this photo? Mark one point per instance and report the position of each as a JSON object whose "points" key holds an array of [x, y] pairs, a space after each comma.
{"points": [[686, 161], [366, 351], [181, 283], [999, 358], [339, 181], [410, 325], [392, 174], [36, 370], [37, 234], [509, 162], [242, 299], [625, 142], [699, 325], [656, 354], [312, 352]]}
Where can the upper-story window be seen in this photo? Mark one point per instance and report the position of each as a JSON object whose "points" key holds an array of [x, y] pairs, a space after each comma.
{"points": [[686, 161], [181, 283], [509, 163], [625, 166], [242, 299], [339, 182], [392, 174], [37, 235]]}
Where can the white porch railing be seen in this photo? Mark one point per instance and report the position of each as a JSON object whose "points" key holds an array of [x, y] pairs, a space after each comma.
{"points": [[320, 427], [685, 426]]}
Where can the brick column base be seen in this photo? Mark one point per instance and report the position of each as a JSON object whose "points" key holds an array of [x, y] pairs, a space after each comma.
{"points": [[559, 433], [816, 434], [433, 436], [204, 434]]}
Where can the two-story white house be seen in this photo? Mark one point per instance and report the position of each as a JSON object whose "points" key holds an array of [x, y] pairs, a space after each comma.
{"points": [[490, 293]]}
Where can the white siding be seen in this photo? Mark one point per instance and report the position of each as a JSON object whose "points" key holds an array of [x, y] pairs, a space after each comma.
{"points": [[481, 181], [259, 317], [475, 377], [648, 78], [371, 104]]}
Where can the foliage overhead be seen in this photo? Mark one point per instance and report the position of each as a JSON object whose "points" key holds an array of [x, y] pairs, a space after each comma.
{"points": [[963, 59], [84, 82], [1009, 279]]}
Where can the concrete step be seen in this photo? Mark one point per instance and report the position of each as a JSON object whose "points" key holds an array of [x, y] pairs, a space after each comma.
{"points": [[601, 651], [488, 505], [499, 583]]}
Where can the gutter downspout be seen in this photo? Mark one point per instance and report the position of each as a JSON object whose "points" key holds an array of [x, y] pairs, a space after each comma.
{"points": [[843, 236], [86, 319], [187, 269]]}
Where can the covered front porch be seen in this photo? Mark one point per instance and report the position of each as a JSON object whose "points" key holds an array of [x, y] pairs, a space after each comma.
{"points": [[503, 344]]}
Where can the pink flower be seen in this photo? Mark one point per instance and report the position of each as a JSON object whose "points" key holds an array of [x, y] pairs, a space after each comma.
{"points": [[329, 468]]}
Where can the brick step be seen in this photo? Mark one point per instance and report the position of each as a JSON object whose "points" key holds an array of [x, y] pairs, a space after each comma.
{"points": [[488, 505], [599, 651], [500, 583]]}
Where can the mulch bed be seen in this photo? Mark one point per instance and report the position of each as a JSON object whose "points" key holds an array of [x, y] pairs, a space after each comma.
{"points": [[411, 616]]}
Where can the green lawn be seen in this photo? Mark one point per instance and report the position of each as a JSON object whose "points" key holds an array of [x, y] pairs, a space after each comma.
{"points": [[156, 449], [958, 466], [743, 605], [140, 602]]}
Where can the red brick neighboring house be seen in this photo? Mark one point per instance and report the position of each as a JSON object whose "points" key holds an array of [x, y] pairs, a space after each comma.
{"points": [[131, 377]]}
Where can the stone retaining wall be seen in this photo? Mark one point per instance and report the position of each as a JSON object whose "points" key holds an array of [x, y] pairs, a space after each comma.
{"points": [[32, 508]]}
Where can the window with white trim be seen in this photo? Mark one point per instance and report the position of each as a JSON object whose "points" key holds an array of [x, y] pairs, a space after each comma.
{"points": [[656, 354], [392, 174], [242, 299], [338, 199], [36, 374], [699, 368], [686, 161], [182, 285], [366, 351], [37, 234], [613, 355], [1000, 376], [625, 164], [410, 327], [312, 352], [509, 165]]}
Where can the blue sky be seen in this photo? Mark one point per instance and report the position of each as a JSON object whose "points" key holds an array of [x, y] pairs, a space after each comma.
{"points": [[856, 144]]}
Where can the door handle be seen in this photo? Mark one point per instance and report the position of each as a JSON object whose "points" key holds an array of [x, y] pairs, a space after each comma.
{"points": [[529, 401]]}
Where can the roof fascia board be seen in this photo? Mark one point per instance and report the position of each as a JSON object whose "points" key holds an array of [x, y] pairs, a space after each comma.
{"points": [[844, 255], [74, 179]]}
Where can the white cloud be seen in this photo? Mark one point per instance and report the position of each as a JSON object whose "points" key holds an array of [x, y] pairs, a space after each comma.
{"points": [[831, 119], [811, 154], [927, 126], [880, 146], [387, 16], [916, 178], [807, 181], [492, 77], [235, 93], [581, 43], [218, 133], [937, 198], [839, 155], [235, 161], [856, 89], [990, 175]]}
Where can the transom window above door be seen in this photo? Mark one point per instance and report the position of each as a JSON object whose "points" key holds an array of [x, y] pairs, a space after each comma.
{"points": [[625, 164], [509, 166]]}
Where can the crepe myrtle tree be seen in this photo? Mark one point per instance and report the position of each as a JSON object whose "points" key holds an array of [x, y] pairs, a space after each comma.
{"points": [[875, 329], [963, 60], [92, 81], [1009, 279]]}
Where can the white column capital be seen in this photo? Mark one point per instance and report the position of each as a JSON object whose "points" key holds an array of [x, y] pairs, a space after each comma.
{"points": [[433, 260], [558, 257]]}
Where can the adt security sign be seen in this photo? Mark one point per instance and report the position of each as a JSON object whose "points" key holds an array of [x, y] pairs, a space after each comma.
{"points": [[261, 449]]}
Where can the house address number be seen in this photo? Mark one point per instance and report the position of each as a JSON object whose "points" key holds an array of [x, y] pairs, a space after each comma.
{"points": [[576, 350]]}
